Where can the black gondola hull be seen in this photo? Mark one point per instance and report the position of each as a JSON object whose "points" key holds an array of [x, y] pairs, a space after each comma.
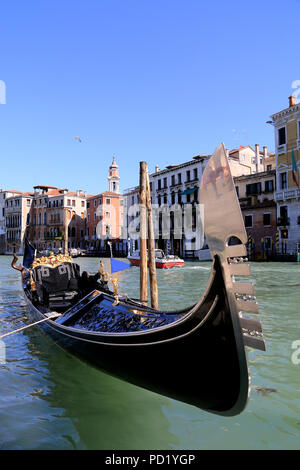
{"points": [[199, 360]]}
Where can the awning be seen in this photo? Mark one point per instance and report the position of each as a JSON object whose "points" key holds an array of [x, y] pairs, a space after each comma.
{"points": [[189, 191]]}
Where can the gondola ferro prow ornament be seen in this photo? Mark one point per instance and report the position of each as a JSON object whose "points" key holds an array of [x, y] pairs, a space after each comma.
{"points": [[226, 237], [13, 263]]}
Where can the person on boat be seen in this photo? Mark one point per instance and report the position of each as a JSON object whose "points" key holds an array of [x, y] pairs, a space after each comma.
{"points": [[87, 283]]}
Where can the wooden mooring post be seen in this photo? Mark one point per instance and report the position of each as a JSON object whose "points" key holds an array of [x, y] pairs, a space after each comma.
{"points": [[143, 234], [66, 226], [147, 232], [151, 247]]}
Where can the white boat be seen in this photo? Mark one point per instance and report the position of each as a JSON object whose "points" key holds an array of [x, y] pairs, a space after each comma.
{"points": [[161, 260]]}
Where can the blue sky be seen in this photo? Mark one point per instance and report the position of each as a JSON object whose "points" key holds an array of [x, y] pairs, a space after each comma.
{"points": [[159, 81]]}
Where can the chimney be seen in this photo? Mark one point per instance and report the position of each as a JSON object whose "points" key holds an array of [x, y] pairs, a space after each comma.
{"points": [[157, 169], [256, 156], [265, 151], [292, 100]]}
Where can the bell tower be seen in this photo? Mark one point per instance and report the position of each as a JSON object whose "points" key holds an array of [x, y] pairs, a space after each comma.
{"points": [[113, 178]]}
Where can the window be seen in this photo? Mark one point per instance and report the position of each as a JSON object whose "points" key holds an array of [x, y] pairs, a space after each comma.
{"points": [[252, 189], [114, 186], [283, 180], [179, 178], [73, 203], [269, 167], [82, 203], [196, 195], [179, 198], [283, 212], [159, 200], [173, 198], [28, 202], [165, 182], [188, 175], [243, 158], [45, 218], [108, 201], [173, 180], [95, 202], [267, 219], [107, 214], [269, 188], [95, 216], [249, 220], [159, 184], [281, 136], [195, 173], [165, 199], [68, 202]]}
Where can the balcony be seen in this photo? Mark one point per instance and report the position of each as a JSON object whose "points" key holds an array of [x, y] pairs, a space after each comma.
{"points": [[285, 194], [281, 149], [193, 180]]}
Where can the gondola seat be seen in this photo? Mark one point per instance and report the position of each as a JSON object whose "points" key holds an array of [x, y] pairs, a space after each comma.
{"points": [[57, 286]]}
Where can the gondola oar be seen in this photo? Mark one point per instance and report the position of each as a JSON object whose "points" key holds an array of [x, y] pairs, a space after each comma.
{"points": [[50, 317]]}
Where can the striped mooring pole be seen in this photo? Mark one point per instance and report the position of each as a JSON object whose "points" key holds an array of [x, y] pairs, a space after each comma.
{"points": [[249, 242], [277, 242], [298, 251]]}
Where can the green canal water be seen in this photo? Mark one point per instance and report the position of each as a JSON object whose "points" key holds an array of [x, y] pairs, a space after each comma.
{"points": [[51, 400]]}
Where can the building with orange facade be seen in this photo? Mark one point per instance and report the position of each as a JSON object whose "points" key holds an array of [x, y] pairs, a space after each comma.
{"points": [[52, 210], [104, 220]]}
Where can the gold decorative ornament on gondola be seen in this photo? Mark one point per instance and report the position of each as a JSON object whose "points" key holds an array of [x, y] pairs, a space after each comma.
{"points": [[52, 260]]}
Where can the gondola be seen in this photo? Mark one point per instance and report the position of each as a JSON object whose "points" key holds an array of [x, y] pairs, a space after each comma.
{"points": [[196, 355]]}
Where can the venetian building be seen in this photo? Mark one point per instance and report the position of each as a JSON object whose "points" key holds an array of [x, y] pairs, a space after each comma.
{"points": [[105, 216], [287, 195]]}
